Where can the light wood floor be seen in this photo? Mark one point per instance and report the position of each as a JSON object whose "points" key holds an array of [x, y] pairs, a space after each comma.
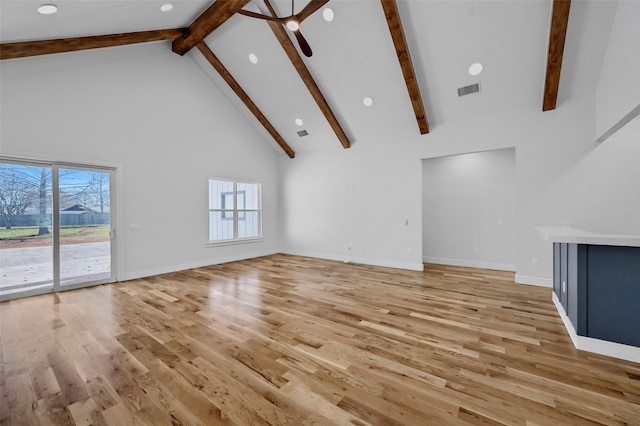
{"points": [[291, 340]]}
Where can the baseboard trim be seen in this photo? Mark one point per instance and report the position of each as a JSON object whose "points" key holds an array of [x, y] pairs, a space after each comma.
{"points": [[589, 344], [359, 260], [470, 263], [191, 265], [245, 256], [541, 282]]}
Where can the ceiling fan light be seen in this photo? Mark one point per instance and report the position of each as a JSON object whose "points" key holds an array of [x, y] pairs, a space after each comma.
{"points": [[293, 25], [48, 9]]}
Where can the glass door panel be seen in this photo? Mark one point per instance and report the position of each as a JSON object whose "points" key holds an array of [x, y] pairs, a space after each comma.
{"points": [[55, 227], [84, 220], [26, 239]]}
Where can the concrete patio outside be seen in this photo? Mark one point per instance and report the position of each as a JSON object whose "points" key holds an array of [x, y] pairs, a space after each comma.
{"points": [[22, 268]]}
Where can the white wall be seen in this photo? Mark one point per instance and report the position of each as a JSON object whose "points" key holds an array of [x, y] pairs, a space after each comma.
{"points": [[334, 199], [156, 117], [546, 144], [618, 89], [562, 175], [469, 209]]}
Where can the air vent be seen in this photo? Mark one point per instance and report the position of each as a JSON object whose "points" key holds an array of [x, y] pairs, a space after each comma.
{"points": [[302, 133], [467, 90]]}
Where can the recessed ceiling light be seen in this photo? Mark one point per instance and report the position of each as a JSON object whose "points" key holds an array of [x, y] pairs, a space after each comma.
{"points": [[253, 58], [166, 7], [48, 9], [299, 122], [328, 14], [367, 101], [476, 68]]}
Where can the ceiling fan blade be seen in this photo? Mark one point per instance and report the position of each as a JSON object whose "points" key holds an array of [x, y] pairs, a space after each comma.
{"points": [[309, 9], [304, 46], [257, 15]]}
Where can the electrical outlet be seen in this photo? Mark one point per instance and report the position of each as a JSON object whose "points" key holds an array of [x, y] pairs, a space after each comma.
{"points": [[476, 249], [535, 261], [409, 251]]}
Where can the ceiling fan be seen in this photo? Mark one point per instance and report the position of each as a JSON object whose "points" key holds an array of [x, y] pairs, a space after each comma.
{"points": [[291, 22]]}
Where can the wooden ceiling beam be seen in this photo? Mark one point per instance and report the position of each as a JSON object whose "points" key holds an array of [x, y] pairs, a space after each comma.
{"points": [[217, 14], [25, 49], [557, 35], [402, 50], [235, 86], [307, 78]]}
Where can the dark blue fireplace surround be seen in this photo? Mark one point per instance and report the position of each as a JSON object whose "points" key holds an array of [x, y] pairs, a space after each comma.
{"points": [[599, 289]]}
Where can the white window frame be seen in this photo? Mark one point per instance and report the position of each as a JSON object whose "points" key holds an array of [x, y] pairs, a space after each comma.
{"points": [[238, 213]]}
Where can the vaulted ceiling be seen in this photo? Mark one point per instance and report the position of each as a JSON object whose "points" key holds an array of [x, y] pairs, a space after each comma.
{"points": [[409, 56]]}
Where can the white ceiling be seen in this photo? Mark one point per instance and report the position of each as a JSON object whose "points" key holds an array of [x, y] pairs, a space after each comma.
{"points": [[20, 20], [354, 56]]}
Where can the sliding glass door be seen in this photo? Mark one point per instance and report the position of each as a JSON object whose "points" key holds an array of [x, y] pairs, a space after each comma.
{"points": [[26, 240], [55, 227], [84, 225]]}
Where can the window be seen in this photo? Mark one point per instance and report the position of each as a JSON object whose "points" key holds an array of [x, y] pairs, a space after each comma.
{"points": [[234, 210]]}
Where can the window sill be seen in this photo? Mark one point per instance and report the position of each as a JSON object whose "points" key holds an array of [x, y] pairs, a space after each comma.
{"points": [[233, 242]]}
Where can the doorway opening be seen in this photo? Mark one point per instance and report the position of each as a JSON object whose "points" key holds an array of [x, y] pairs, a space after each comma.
{"points": [[469, 210]]}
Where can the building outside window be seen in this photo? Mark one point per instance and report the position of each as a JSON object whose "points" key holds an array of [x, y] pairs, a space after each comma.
{"points": [[234, 210]]}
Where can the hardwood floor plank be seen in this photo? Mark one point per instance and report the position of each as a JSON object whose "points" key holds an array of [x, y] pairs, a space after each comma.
{"points": [[52, 410], [368, 414], [72, 385], [20, 397], [44, 382], [392, 403], [255, 382], [317, 404], [238, 402], [85, 412], [410, 394], [194, 406], [265, 362], [295, 340], [475, 418], [102, 393], [118, 415]]}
